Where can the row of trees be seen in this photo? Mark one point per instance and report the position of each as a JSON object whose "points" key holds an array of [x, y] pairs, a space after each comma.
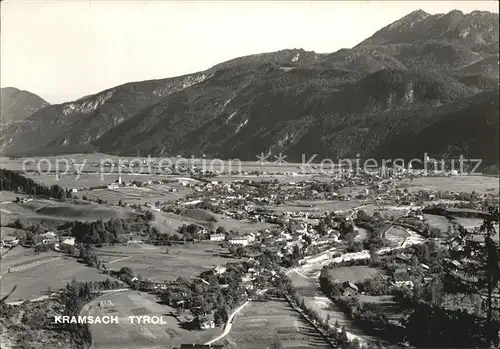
{"points": [[336, 333]]}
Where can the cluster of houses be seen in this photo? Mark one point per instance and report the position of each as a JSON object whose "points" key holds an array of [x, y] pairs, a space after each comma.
{"points": [[48, 238], [9, 242], [243, 240]]}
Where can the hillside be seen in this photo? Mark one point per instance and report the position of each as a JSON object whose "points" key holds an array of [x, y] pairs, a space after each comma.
{"points": [[411, 80], [477, 30], [17, 105]]}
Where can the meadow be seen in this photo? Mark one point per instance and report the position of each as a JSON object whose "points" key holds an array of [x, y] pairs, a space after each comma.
{"points": [[479, 184], [354, 274], [137, 336], [436, 221], [315, 206], [153, 262], [272, 324], [51, 213], [139, 195], [396, 235], [33, 274]]}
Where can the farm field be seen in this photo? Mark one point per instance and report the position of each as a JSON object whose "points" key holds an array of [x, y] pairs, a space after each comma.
{"points": [[6, 231], [315, 205], [385, 304], [42, 271], [138, 336], [354, 274], [19, 255], [469, 223], [92, 162], [437, 221], [479, 184], [168, 223], [272, 324], [9, 196], [51, 213], [243, 226], [396, 235], [307, 285], [154, 263], [138, 195]]}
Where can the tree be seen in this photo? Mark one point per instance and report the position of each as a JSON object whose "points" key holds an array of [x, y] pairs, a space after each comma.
{"points": [[296, 253], [322, 228], [126, 271], [221, 315], [18, 224], [480, 271], [232, 250], [307, 239], [149, 215], [221, 230], [240, 251], [374, 258], [354, 246]]}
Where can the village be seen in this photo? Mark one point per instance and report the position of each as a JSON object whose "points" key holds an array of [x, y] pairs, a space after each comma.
{"points": [[360, 237]]}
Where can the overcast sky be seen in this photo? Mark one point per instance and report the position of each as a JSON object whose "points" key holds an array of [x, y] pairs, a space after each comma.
{"points": [[63, 50]]}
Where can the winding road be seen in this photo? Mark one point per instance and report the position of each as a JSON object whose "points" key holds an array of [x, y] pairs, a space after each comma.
{"points": [[229, 323]]}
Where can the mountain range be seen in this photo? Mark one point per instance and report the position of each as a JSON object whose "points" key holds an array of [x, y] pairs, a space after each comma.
{"points": [[17, 105], [423, 84]]}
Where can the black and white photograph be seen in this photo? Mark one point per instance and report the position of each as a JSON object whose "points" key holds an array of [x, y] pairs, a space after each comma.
{"points": [[242, 174]]}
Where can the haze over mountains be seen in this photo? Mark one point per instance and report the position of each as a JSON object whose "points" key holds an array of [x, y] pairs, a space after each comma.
{"points": [[425, 83]]}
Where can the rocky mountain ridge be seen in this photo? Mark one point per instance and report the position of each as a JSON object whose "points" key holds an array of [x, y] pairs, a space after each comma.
{"points": [[409, 80]]}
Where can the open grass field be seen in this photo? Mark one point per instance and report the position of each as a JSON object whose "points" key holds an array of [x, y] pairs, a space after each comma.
{"points": [[140, 336], [92, 162], [19, 255], [140, 195], [385, 304], [51, 213], [154, 263], [437, 221], [9, 196], [479, 184], [36, 273], [243, 226], [315, 206], [272, 324], [396, 235], [5, 231], [354, 274], [469, 223], [168, 223]]}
